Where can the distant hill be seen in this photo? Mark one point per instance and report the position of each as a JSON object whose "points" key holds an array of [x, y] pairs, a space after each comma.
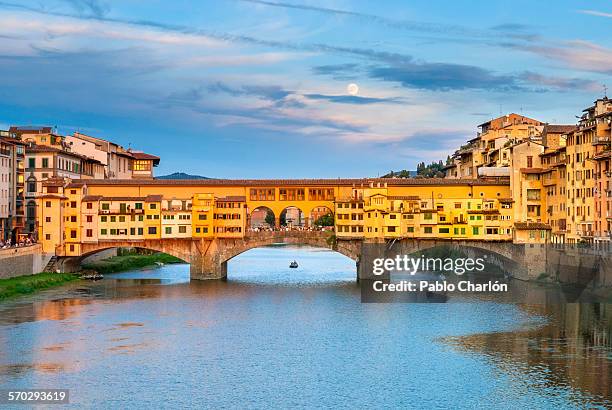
{"points": [[400, 174], [181, 175]]}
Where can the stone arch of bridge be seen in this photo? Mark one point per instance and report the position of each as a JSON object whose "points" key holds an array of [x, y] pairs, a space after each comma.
{"points": [[317, 239]]}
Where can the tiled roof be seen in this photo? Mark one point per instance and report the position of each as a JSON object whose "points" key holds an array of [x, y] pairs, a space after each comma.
{"points": [[78, 184], [405, 197], [505, 200], [142, 155], [531, 170], [304, 182], [531, 225], [559, 129], [92, 198], [154, 198], [235, 198], [121, 198], [55, 181], [28, 129]]}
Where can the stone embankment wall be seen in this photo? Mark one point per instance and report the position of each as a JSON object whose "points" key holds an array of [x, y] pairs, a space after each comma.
{"points": [[27, 260], [591, 268]]}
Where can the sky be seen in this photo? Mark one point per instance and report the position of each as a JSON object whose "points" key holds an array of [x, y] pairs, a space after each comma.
{"points": [[259, 89]]}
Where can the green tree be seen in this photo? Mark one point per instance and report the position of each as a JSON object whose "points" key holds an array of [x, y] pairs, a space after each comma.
{"points": [[325, 220], [270, 220]]}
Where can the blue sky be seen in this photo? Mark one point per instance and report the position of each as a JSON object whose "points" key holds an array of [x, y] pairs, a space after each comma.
{"points": [[258, 89]]}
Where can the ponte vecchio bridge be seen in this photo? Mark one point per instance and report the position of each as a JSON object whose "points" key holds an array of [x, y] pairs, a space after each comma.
{"points": [[208, 222]]}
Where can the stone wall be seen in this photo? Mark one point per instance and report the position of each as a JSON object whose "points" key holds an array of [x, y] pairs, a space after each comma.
{"points": [[22, 261], [582, 267]]}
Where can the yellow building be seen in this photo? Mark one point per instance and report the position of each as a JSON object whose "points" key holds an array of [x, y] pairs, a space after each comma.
{"points": [[90, 211]]}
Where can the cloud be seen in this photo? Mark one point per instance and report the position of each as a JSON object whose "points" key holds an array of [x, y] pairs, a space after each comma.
{"points": [[352, 99], [596, 13], [332, 69], [418, 26], [444, 77], [576, 54], [93, 7], [560, 83], [268, 92]]}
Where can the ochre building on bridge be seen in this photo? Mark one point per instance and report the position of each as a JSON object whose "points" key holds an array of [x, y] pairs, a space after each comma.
{"points": [[74, 215]]}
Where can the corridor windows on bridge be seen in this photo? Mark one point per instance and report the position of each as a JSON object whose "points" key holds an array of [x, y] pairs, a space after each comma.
{"points": [[291, 194], [262, 194], [321, 194]]}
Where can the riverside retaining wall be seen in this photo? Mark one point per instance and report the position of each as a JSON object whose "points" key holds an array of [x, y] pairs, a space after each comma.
{"points": [[27, 260]]}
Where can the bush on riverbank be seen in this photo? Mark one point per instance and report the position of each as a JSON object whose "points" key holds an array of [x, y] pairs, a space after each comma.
{"points": [[130, 261], [24, 285]]}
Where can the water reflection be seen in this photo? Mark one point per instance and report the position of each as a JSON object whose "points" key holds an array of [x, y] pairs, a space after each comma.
{"points": [[573, 349], [280, 337]]}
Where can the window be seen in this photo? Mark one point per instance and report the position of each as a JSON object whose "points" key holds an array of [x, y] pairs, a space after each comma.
{"points": [[113, 232], [48, 219], [152, 206], [89, 205], [182, 229], [89, 233], [105, 206], [89, 218], [122, 218], [529, 161], [474, 230], [113, 218], [103, 231], [428, 229], [168, 230], [48, 237], [31, 186], [197, 230], [140, 165], [444, 230], [410, 229], [427, 215], [48, 204], [73, 218], [202, 217], [45, 162], [533, 194], [391, 228], [152, 230], [262, 194], [138, 205], [140, 231]]}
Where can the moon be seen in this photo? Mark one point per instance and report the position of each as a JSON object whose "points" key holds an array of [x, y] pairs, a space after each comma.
{"points": [[352, 89]]}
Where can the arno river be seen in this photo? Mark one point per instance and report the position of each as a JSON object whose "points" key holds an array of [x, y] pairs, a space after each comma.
{"points": [[277, 337]]}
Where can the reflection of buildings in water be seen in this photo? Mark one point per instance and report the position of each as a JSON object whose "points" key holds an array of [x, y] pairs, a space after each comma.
{"points": [[574, 347]]}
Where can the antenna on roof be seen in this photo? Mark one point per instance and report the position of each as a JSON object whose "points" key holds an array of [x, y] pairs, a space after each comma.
{"points": [[605, 88]]}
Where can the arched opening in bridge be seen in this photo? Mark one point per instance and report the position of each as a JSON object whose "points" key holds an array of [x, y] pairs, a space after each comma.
{"points": [[495, 264], [262, 218], [269, 265], [321, 217], [292, 217]]}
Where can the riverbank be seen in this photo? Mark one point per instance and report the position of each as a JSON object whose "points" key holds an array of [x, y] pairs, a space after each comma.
{"points": [[25, 285], [130, 261]]}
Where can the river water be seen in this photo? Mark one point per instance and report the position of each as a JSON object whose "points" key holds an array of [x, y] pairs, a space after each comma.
{"points": [[271, 336]]}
